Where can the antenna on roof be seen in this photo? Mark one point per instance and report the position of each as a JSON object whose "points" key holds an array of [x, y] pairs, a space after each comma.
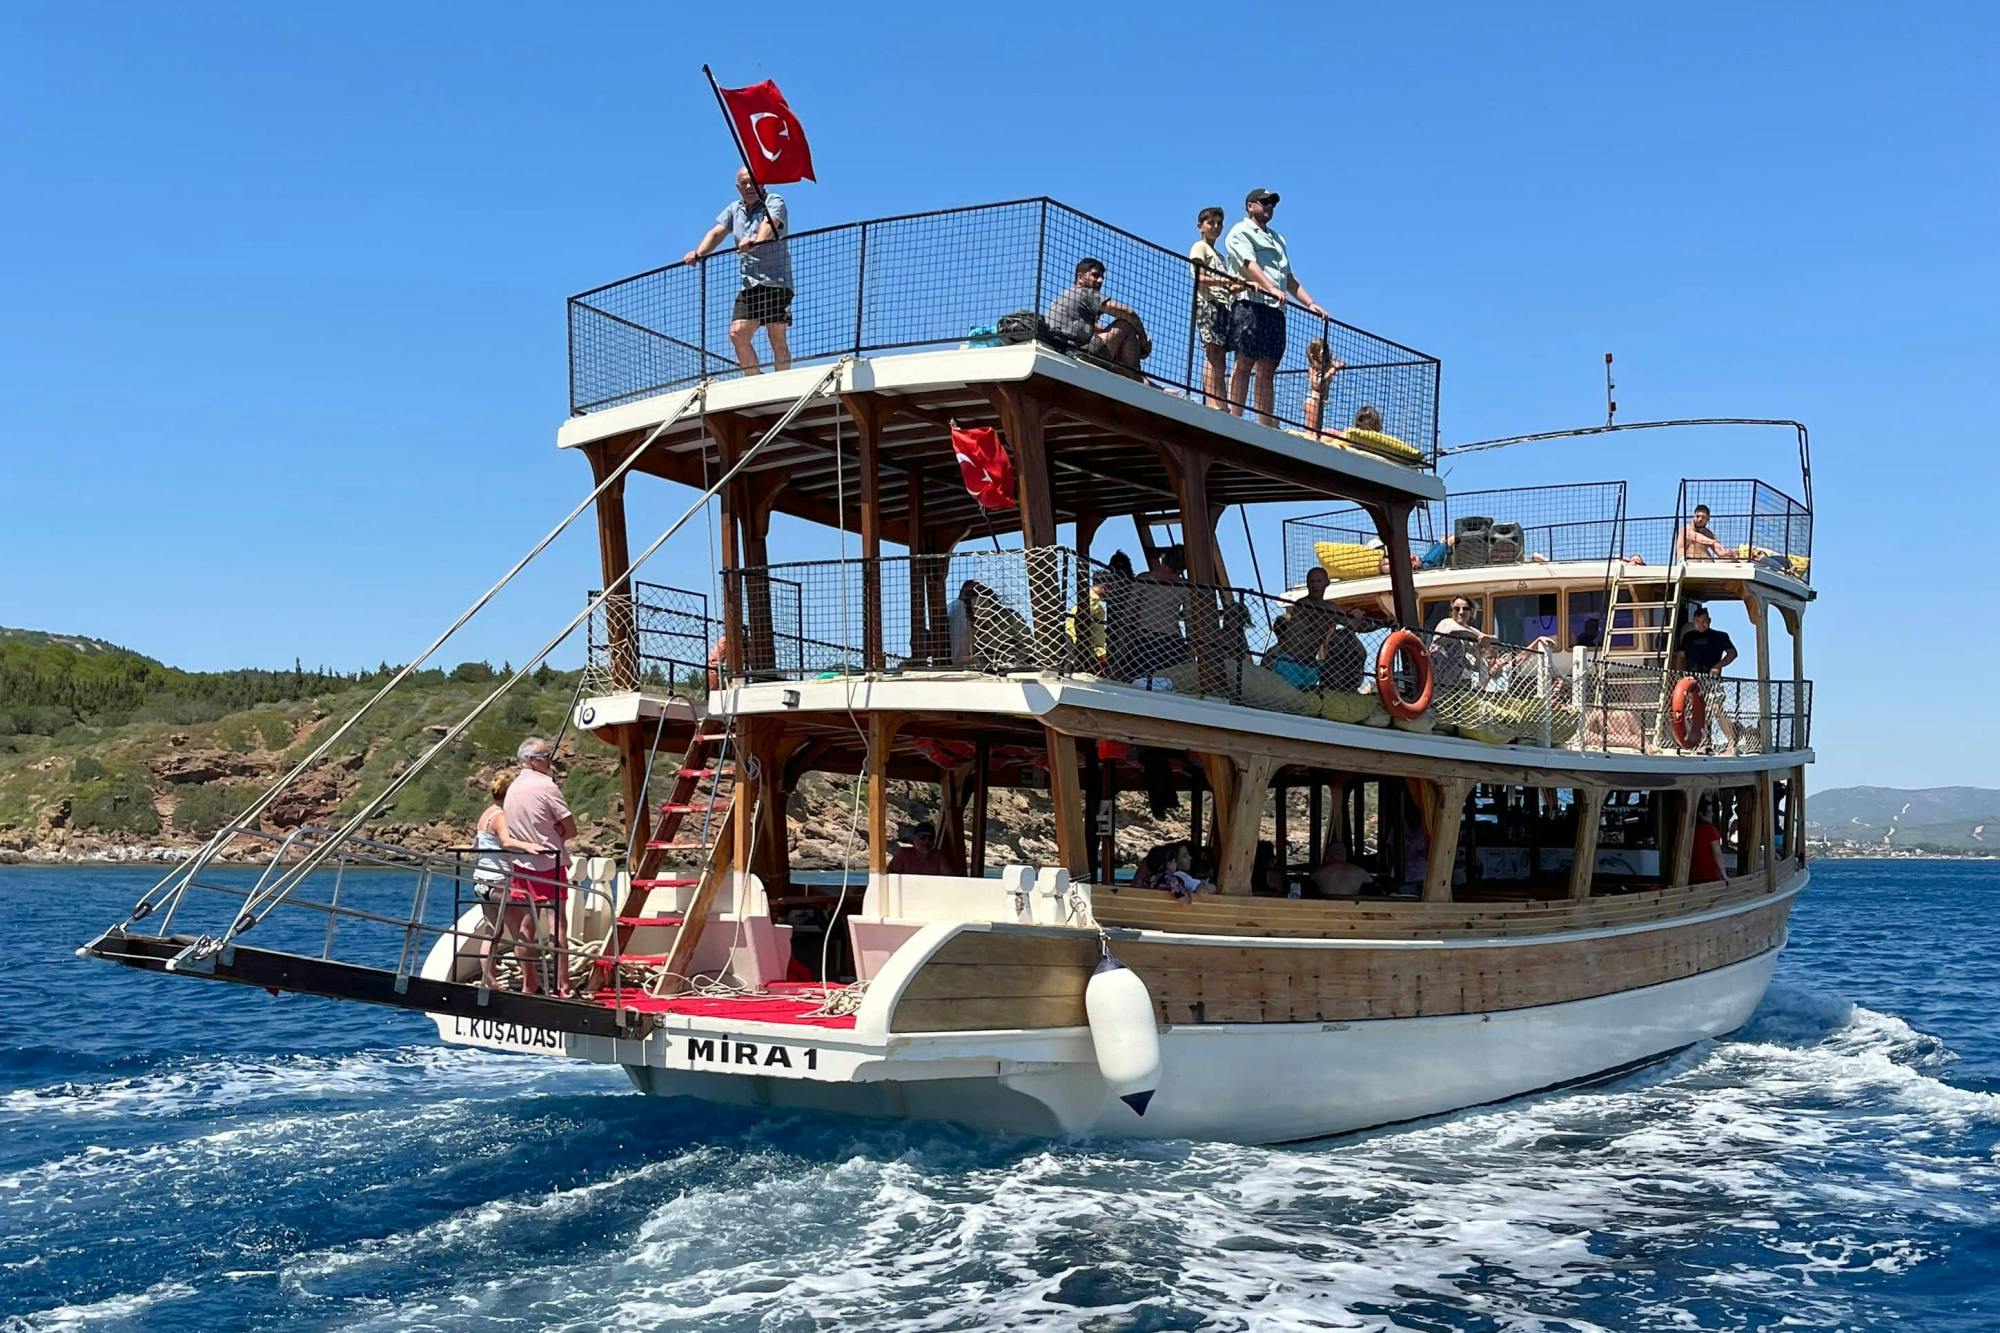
{"points": [[1610, 403]]}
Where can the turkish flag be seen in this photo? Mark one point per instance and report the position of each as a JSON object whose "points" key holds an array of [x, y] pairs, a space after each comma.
{"points": [[983, 462], [770, 134]]}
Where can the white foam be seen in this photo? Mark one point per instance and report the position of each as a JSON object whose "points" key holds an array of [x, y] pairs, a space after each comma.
{"points": [[130, 1305]]}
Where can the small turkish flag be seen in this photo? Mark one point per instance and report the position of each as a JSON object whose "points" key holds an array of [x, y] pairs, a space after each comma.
{"points": [[983, 462], [771, 135]]}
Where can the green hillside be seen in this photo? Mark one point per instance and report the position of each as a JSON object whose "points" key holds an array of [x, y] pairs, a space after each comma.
{"points": [[100, 746]]}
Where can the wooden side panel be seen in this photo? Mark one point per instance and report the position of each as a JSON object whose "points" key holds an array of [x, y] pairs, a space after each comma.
{"points": [[1204, 984], [1280, 918], [999, 979]]}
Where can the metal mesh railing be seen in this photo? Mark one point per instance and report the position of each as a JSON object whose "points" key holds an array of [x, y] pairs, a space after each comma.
{"points": [[1045, 610], [946, 279], [1472, 529], [1585, 522], [1753, 520], [656, 637], [1631, 707]]}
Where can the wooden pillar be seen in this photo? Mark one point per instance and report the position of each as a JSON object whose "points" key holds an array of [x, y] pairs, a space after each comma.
{"points": [[1797, 843], [1767, 843], [1220, 772], [1107, 814], [1189, 473], [1680, 862], [760, 640], [1066, 796], [882, 729], [614, 554], [1760, 615], [1392, 524], [951, 818], [1281, 839], [732, 438], [868, 416], [919, 544], [1749, 829], [1252, 780], [1447, 814], [1023, 417], [1583, 862], [982, 760]]}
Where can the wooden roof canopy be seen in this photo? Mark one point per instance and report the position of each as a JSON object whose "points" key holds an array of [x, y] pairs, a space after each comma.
{"points": [[1109, 447]]}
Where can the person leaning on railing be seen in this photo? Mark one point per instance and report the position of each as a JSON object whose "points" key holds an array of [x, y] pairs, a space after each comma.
{"points": [[1257, 319], [758, 221], [1704, 651], [1215, 289]]}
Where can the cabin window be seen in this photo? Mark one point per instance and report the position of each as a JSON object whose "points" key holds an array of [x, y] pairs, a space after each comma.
{"points": [[1585, 618], [1437, 609], [1524, 617]]}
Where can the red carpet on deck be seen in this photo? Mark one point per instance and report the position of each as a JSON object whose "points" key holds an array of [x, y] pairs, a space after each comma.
{"points": [[761, 1009]]}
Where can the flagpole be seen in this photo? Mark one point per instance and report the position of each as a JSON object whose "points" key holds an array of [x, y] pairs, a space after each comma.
{"points": [[734, 137]]}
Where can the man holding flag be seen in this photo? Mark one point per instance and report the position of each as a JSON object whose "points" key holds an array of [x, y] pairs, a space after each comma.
{"points": [[774, 150], [756, 220]]}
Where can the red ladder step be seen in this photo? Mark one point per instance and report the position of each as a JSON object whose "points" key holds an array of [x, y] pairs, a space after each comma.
{"points": [[676, 846], [692, 807], [700, 773], [674, 883], [672, 920]]}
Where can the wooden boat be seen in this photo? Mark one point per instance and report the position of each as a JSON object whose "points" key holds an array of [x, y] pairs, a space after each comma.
{"points": [[1516, 907]]}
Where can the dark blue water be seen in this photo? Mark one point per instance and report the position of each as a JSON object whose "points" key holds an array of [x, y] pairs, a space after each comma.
{"points": [[178, 1154]]}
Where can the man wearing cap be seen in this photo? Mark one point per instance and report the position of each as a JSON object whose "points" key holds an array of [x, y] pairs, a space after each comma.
{"points": [[920, 854], [1257, 319], [1705, 651]]}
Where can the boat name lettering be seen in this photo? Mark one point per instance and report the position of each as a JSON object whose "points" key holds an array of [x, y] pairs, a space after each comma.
{"points": [[514, 1034], [722, 1051]]}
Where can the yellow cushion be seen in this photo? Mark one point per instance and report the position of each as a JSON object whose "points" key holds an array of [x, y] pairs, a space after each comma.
{"points": [[1346, 706], [1348, 560], [1261, 688], [1382, 446]]}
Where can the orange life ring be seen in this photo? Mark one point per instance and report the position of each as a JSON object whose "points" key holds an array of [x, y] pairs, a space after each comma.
{"points": [[1397, 645], [1689, 713]]}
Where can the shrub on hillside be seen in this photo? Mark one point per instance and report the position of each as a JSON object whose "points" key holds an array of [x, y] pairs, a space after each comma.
{"points": [[204, 809], [117, 801]]}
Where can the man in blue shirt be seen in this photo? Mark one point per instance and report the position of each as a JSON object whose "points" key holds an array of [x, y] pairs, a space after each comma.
{"points": [[1257, 320], [759, 224]]}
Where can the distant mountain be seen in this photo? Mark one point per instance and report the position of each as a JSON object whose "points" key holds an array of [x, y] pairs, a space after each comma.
{"points": [[39, 637], [1933, 818]]}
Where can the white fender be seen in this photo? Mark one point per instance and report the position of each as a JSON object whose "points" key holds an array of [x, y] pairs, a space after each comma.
{"points": [[1123, 1032]]}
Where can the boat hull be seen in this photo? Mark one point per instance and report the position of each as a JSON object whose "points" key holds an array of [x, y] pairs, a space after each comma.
{"points": [[1277, 1082]]}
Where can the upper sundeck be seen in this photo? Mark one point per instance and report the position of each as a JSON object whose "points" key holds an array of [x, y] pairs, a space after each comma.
{"points": [[912, 303]]}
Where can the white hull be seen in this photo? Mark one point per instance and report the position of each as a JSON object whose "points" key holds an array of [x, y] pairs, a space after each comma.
{"points": [[1251, 1083]]}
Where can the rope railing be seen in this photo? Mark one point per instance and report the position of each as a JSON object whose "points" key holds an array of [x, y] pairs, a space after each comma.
{"points": [[1046, 610]]}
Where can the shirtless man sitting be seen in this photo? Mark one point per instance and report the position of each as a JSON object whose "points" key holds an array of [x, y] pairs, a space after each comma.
{"points": [[1697, 542]]}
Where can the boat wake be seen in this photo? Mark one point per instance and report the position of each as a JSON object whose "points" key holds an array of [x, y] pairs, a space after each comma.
{"points": [[1786, 1173]]}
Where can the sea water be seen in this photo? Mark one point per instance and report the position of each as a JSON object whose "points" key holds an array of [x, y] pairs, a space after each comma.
{"points": [[179, 1154]]}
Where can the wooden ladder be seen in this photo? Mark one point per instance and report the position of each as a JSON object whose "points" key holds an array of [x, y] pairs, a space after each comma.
{"points": [[1646, 647], [671, 857]]}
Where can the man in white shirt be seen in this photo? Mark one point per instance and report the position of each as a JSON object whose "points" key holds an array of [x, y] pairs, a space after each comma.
{"points": [[1257, 320]]}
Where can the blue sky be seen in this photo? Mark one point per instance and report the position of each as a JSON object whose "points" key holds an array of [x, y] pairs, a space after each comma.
{"points": [[281, 320]]}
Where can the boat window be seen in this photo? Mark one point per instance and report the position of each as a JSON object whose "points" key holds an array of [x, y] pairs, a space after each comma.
{"points": [[1437, 609], [1524, 617], [1586, 618]]}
